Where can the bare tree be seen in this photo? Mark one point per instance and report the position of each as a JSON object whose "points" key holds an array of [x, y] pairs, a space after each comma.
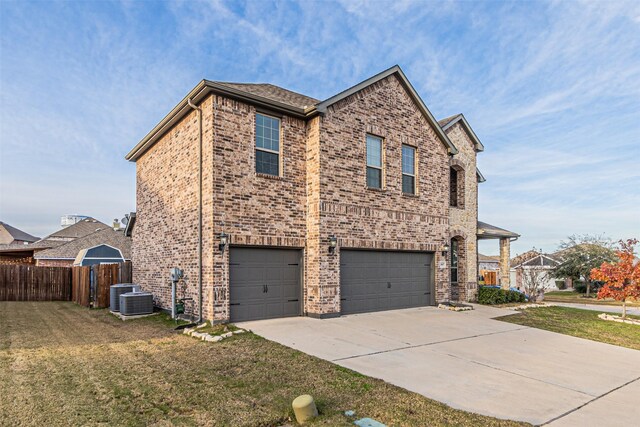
{"points": [[533, 278]]}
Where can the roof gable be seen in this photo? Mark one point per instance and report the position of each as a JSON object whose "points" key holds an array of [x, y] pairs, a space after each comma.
{"points": [[279, 100], [107, 236], [449, 122], [9, 233], [322, 106]]}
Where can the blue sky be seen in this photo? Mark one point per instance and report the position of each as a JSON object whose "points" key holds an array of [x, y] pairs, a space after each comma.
{"points": [[551, 88]]}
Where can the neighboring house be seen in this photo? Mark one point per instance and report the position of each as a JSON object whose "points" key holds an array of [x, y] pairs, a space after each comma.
{"points": [[25, 253], [489, 269], [543, 264], [12, 236], [105, 245], [357, 203]]}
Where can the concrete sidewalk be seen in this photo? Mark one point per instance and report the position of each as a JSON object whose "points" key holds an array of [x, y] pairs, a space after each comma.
{"points": [[601, 308], [472, 362]]}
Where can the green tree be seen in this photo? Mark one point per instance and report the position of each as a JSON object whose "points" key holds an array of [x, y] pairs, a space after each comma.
{"points": [[580, 254]]}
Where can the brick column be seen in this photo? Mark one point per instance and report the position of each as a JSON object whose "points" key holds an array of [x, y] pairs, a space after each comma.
{"points": [[505, 257]]}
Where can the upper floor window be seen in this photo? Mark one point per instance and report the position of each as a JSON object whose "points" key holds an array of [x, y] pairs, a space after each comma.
{"points": [[453, 187], [456, 186], [408, 169], [374, 162], [267, 145]]}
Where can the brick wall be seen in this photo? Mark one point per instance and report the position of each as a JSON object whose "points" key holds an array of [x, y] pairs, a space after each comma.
{"points": [[166, 233], [254, 209], [387, 218], [464, 218], [321, 192]]}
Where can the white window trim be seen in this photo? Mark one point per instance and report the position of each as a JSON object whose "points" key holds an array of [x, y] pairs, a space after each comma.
{"points": [[266, 150], [382, 161], [415, 169]]}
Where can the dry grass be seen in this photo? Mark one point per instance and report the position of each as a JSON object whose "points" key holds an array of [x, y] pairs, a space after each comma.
{"points": [[61, 364], [579, 323]]}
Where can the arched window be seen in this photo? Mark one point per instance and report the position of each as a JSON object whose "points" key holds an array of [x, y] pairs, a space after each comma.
{"points": [[457, 265]]}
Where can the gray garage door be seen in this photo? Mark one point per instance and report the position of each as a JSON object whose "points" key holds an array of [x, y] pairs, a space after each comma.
{"points": [[377, 280], [264, 283]]}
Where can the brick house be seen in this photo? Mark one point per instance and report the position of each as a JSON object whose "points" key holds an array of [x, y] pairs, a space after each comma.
{"points": [[304, 207]]}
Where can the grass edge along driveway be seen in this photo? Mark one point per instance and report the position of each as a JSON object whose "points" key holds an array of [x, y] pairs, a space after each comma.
{"points": [[578, 323], [61, 364]]}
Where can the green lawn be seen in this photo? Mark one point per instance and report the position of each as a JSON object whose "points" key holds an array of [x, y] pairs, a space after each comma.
{"points": [[61, 365], [579, 323], [575, 297]]}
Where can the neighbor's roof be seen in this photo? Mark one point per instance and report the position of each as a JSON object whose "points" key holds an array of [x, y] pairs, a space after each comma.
{"points": [[488, 231], [488, 258], [60, 237], [534, 258], [9, 233], [279, 100], [79, 229], [106, 236]]}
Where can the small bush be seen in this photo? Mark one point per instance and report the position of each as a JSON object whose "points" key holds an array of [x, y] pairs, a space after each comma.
{"points": [[490, 295], [561, 284], [515, 296], [581, 287]]}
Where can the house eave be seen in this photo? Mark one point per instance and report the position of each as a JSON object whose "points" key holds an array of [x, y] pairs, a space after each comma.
{"points": [[460, 118], [196, 95]]}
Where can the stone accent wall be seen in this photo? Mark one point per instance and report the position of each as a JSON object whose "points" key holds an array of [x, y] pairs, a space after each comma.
{"points": [[464, 218]]}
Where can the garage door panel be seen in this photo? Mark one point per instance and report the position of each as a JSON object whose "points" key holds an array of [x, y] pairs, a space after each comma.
{"points": [[379, 280], [264, 283]]}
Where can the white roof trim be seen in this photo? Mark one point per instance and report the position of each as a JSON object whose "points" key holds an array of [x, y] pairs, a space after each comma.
{"points": [[467, 126]]}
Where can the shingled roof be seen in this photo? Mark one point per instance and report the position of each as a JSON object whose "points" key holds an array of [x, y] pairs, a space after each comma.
{"points": [[79, 229], [275, 93], [488, 231], [60, 237], [279, 100], [105, 236], [8, 234]]}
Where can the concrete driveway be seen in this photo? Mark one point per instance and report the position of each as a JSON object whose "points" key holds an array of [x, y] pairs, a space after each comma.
{"points": [[472, 362]]}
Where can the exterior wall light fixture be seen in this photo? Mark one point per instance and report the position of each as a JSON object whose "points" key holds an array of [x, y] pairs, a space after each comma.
{"points": [[333, 242], [224, 240], [445, 249]]}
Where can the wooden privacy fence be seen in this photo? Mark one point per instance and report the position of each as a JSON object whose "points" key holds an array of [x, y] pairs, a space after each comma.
{"points": [[490, 277], [91, 284], [31, 283]]}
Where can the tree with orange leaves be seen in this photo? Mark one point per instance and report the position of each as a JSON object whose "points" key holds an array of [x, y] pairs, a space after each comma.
{"points": [[621, 279]]}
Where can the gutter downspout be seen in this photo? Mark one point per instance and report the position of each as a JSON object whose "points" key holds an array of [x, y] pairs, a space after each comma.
{"points": [[199, 110]]}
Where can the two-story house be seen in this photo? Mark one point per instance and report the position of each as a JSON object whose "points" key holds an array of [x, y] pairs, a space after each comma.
{"points": [[277, 204]]}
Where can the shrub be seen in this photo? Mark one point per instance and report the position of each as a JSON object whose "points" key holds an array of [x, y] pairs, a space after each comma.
{"points": [[492, 295], [561, 284], [581, 287], [515, 296]]}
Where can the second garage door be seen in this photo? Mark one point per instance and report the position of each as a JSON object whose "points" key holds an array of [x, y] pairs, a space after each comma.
{"points": [[264, 283], [378, 280]]}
